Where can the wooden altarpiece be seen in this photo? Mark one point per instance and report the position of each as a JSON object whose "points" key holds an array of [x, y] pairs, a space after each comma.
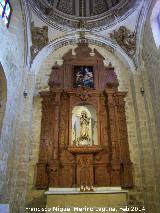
{"points": [[63, 164]]}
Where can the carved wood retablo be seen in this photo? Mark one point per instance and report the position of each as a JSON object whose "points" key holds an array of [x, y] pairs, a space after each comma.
{"points": [[84, 138]]}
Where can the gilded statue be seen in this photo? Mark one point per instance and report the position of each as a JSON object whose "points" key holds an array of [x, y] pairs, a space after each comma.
{"points": [[84, 129], [84, 123]]}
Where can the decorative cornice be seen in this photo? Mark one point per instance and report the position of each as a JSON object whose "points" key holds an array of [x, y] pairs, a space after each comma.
{"points": [[65, 22]]}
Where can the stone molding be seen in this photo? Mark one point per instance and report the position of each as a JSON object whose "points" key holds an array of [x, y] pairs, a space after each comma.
{"points": [[72, 39], [62, 21]]}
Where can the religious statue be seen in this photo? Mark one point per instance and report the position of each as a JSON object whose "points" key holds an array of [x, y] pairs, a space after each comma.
{"points": [[84, 122], [84, 125], [84, 129]]}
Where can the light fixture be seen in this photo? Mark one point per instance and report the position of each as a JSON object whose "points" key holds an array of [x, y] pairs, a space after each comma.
{"points": [[25, 93], [142, 91]]}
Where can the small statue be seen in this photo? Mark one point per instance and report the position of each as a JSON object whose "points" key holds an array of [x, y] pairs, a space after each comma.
{"points": [[84, 138], [84, 123], [85, 188], [81, 188]]}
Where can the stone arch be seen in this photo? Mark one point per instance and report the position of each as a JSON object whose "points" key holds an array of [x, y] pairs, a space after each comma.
{"points": [[3, 95], [155, 23], [72, 39]]}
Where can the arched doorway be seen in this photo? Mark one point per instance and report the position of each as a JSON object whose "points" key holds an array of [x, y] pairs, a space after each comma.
{"points": [[3, 95]]}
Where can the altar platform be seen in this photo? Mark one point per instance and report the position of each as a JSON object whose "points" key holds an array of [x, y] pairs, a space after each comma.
{"points": [[102, 199]]}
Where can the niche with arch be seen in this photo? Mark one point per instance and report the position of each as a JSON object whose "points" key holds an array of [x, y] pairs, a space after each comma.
{"points": [[84, 125]]}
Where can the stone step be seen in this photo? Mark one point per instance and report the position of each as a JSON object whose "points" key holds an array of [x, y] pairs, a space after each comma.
{"points": [[79, 202]]}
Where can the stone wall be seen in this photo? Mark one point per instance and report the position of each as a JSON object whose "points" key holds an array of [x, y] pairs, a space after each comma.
{"points": [[151, 74], [146, 140], [12, 60], [151, 56]]}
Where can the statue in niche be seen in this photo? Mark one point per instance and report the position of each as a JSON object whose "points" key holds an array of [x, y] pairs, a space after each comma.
{"points": [[84, 122], [84, 138], [84, 126]]}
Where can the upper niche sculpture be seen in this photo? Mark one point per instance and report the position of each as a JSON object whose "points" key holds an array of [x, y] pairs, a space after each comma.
{"points": [[83, 131], [126, 39], [39, 38]]}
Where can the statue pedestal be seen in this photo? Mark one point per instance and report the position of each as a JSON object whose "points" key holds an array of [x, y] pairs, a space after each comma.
{"points": [[102, 197]]}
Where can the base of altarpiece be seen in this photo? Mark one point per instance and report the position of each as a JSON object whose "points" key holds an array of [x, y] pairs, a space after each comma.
{"points": [[102, 199]]}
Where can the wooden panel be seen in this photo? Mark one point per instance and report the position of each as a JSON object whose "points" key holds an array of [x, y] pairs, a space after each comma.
{"points": [[62, 164]]}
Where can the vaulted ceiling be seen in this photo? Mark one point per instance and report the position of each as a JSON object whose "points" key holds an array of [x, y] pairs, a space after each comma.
{"points": [[83, 7], [94, 13]]}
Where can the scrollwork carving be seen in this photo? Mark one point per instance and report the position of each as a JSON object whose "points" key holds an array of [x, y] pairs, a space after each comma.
{"points": [[126, 39], [83, 94], [39, 38]]}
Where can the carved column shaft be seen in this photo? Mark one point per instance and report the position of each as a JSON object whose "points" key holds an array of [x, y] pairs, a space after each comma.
{"points": [[45, 146], [44, 139], [103, 122], [56, 105], [113, 131], [53, 164], [121, 173], [114, 137], [126, 165], [123, 136], [64, 117]]}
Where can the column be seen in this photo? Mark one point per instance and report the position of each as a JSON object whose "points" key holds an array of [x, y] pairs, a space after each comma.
{"points": [[53, 164], [113, 137]]}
